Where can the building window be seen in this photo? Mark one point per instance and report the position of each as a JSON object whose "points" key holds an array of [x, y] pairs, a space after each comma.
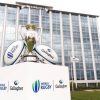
{"points": [[10, 26], [45, 28], [23, 16], [57, 36]]}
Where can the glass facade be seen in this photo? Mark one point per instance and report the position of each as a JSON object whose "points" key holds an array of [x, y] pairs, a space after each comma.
{"points": [[96, 45], [85, 38], [34, 15], [87, 48], [2, 11], [67, 41], [45, 28], [56, 35], [23, 16], [77, 47], [10, 26]]}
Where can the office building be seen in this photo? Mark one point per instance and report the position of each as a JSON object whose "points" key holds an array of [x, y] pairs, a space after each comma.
{"points": [[71, 35]]}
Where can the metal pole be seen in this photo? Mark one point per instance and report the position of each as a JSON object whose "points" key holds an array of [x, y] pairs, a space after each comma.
{"points": [[3, 36], [40, 25], [29, 14], [74, 59], [72, 77], [17, 23]]}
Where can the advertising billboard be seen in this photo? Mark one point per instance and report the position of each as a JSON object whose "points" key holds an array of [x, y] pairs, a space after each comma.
{"points": [[34, 81]]}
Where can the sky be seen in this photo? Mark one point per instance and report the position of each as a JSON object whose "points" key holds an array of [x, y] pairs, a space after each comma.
{"points": [[79, 6], [83, 6]]}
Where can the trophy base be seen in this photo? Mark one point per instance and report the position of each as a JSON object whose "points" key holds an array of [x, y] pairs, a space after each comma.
{"points": [[30, 58]]}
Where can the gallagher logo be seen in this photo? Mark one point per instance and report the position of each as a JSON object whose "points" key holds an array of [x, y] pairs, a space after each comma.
{"points": [[36, 86], [16, 86], [61, 84]]}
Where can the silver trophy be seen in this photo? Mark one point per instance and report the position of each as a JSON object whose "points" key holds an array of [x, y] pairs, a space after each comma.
{"points": [[29, 49], [30, 35]]}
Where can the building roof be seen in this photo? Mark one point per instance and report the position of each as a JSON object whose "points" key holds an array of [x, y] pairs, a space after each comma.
{"points": [[75, 13], [9, 4], [35, 5], [50, 8]]}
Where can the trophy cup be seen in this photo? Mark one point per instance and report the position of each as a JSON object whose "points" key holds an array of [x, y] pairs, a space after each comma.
{"points": [[30, 35], [33, 52], [28, 49]]}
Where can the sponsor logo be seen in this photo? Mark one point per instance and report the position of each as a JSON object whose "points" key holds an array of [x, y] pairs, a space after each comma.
{"points": [[61, 81], [46, 52], [10, 53], [16, 86], [37, 85], [3, 86], [49, 50], [61, 84], [45, 85], [16, 82], [14, 48]]}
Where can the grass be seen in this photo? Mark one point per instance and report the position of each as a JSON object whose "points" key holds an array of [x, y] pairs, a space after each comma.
{"points": [[85, 95]]}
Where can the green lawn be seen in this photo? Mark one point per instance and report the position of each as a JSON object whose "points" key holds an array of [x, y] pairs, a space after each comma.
{"points": [[85, 95]]}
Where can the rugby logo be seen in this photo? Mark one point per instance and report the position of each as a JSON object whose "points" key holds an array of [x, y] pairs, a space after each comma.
{"points": [[41, 85], [36, 86]]}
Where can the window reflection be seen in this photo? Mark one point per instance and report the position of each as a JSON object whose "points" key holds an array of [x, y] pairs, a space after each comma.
{"points": [[45, 28], [56, 35], [87, 48], [35, 16], [96, 46], [77, 47], [23, 16], [1, 24], [10, 26]]}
